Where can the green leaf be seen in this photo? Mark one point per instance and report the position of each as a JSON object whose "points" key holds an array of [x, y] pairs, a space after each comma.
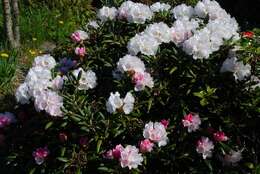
{"points": [[32, 171], [48, 125], [99, 145], [62, 159]]}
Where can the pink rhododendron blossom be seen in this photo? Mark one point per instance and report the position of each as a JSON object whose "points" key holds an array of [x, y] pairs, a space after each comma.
{"points": [[205, 147], [156, 132], [80, 51], [141, 80], [192, 122], [130, 157], [6, 119], [146, 146], [165, 123], [116, 152], [220, 136], [79, 35], [40, 155]]}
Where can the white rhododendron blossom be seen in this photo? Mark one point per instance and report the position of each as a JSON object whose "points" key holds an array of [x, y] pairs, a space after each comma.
{"points": [[45, 61], [135, 12], [57, 82], [182, 30], [232, 158], [183, 11], [220, 27], [22, 94], [160, 31], [130, 63], [205, 147], [115, 103], [240, 70], [200, 10], [107, 13], [49, 101], [130, 157], [88, 80], [93, 23], [158, 7], [156, 132], [38, 79], [143, 43]]}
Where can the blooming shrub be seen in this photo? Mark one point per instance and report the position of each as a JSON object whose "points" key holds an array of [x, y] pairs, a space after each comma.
{"points": [[144, 90]]}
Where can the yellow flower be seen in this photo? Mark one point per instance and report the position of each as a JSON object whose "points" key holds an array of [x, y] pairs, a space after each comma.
{"points": [[61, 22], [32, 52], [34, 39], [4, 55]]}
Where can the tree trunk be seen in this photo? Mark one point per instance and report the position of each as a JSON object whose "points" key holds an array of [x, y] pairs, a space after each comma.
{"points": [[16, 23], [8, 24], [11, 22]]}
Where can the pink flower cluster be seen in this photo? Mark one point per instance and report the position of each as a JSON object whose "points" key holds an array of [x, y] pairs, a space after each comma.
{"points": [[40, 154], [130, 156], [6, 119], [80, 51]]}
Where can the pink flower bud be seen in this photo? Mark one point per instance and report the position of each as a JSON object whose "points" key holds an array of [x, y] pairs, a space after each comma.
{"points": [[146, 146], [80, 51], [116, 152], [165, 123], [108, 155], [220, 136], [75, 37]]}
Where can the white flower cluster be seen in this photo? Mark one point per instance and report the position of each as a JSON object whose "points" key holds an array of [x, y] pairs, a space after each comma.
{"points": [[220, 27], [40, 87], [88, 80], [240, 70], [183, 29], [148, 41], [136, 69], [107, 13], [159, 7], [183, 12], [135, 12], [156, 132], [115, 103]]}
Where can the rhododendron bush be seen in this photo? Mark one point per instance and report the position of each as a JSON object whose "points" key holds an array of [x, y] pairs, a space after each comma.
{"points": [[142, 89]]}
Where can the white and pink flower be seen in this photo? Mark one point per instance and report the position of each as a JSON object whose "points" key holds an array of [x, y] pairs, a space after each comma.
{"points": [[192, 122], [80, 51], [79, 36], [141, 80], [205, 147], [156, 132], [130, 157]]}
